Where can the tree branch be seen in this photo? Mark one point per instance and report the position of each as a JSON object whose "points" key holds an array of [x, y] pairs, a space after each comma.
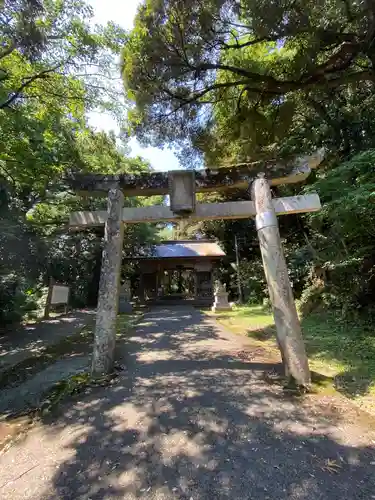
{"points": [[340, 80], [28, 81], [340, 60], [249, 43], [280, 89], [254, 77], [195, 98]]}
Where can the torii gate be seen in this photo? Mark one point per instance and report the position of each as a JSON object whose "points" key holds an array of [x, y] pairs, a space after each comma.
{"points": [[182, 187]]}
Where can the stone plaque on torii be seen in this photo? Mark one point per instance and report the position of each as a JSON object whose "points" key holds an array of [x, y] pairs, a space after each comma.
{"points": [[182, 187]]}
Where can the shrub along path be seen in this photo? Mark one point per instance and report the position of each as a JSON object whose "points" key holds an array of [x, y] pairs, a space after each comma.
{"points": [[194, 417]]}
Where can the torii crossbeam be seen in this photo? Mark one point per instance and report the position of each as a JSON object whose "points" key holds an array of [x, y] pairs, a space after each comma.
{"points": [[208, 180], [203, 211]]}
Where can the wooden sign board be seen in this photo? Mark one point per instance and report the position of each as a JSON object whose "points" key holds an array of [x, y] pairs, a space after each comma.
{"points": [[60, 294]]}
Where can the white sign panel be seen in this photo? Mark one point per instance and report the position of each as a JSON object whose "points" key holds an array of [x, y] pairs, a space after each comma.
{"points": [[60, 294]]}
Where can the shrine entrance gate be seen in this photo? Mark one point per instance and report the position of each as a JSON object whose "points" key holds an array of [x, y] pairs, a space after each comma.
{"points": [[182, 187]]}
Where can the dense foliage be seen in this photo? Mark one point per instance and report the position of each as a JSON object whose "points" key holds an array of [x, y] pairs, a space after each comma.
{"points": [[55, 67], [252, 73]]}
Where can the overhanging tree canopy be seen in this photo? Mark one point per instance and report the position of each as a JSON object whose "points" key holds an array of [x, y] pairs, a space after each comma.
{"points": [[187, 63]]}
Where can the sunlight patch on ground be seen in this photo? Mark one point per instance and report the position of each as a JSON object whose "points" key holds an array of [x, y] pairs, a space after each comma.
{"points": [[342, 352]]}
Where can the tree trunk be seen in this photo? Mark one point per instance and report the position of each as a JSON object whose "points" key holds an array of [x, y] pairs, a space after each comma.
{"points": [[289, 334], [105, 330]]}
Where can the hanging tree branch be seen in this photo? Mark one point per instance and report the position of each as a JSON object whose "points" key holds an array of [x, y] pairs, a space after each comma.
{"points": [[27, 82]]}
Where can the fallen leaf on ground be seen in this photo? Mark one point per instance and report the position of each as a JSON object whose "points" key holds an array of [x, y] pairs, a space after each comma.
{"points": [[331, 466]]}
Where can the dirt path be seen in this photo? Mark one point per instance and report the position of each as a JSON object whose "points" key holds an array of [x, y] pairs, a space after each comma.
{"points": [[189, 420], [33, 338], [35, 357]]}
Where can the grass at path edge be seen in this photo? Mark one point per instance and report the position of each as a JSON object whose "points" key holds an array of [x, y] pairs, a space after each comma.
{"points": [[343, 352]]}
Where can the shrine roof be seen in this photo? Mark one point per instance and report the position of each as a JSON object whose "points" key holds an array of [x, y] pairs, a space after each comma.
{"points": [[183, 249]]}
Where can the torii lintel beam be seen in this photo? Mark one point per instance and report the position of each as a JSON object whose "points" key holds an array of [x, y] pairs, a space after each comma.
{"points": [[220, 179]]}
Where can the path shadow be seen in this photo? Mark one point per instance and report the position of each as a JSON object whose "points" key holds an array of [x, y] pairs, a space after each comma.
{"points": [[39, 356], [263, 334], [172, 323], [202, 426], [30, 339]]}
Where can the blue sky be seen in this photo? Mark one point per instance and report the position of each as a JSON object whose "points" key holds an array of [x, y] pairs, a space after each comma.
{"points": [[122, 12]]}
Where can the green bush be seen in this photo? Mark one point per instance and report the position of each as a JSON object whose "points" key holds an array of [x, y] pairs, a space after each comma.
{"points": [[253, 281], [343, 238], [17, 299]]}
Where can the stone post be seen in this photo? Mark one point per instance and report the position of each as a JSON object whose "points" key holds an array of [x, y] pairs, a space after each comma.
{"points": [[47, 308], [105, 329], [288, 328]]}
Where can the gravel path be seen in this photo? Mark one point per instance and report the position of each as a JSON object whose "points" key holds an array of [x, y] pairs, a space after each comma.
{"points": [[190, 420]]}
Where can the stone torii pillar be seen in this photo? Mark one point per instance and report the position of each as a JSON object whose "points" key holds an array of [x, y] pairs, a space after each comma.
{"points": [[105, 328], [288, 328]]}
